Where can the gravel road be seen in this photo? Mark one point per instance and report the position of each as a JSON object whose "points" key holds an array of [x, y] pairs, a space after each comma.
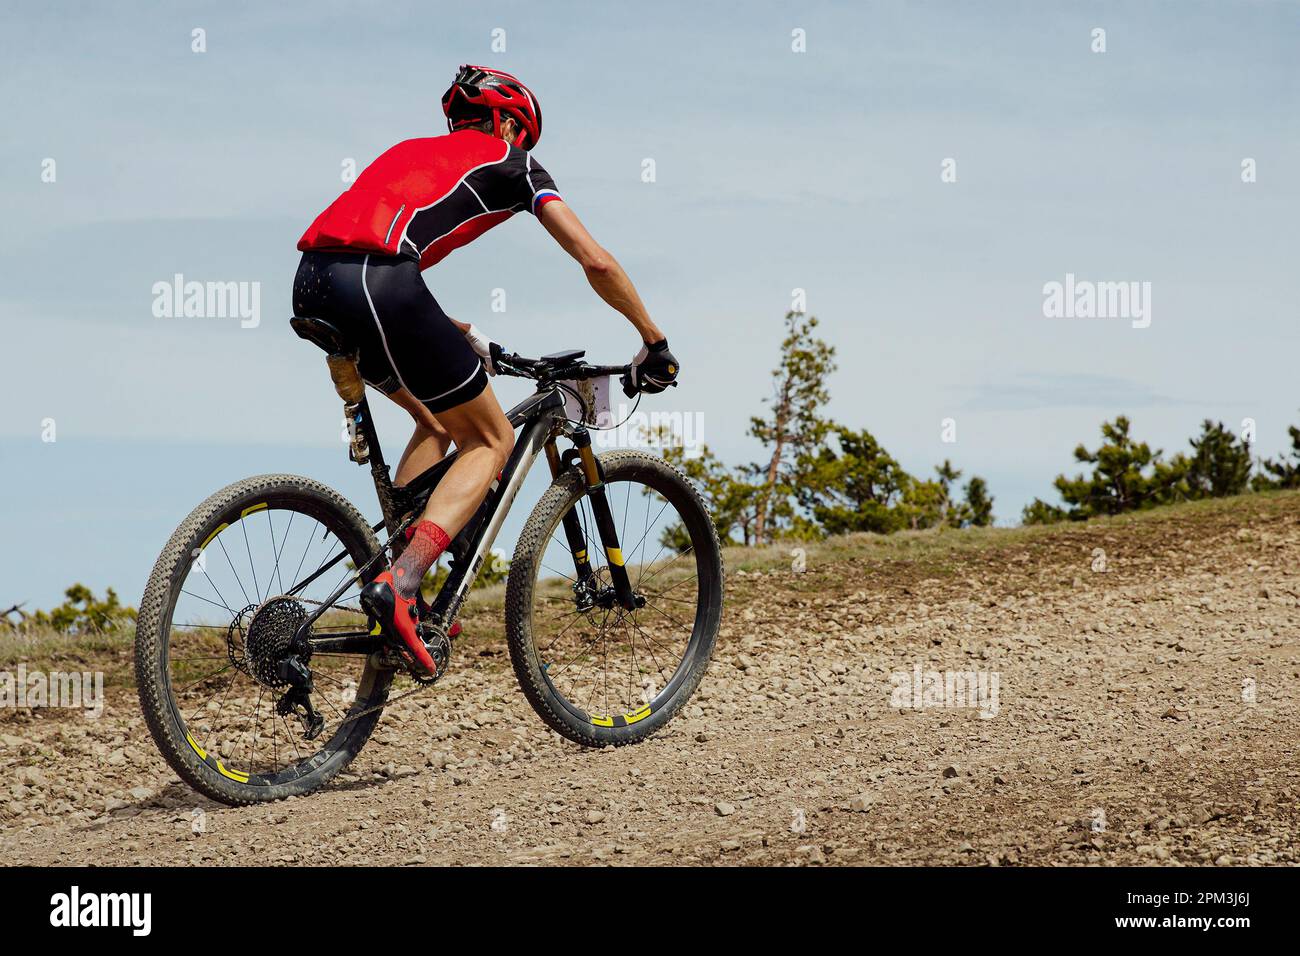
{"points": [[1145, 712]]}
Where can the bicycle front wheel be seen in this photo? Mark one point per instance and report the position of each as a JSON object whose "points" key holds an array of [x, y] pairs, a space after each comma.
{"points": [[594, 671]]}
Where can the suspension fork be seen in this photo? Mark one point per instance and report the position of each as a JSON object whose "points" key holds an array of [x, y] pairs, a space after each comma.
{"points": [[605, 526], [573, 535]]}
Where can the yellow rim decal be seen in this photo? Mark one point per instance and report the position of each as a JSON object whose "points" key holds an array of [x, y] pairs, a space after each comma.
{"points": [[251, 508], [236, 775], [615, 556], [220, 528], [622, 720], [581, 555]]}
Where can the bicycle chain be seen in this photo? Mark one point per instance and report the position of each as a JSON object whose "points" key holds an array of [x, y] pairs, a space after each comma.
{"points": [[391, 700]]}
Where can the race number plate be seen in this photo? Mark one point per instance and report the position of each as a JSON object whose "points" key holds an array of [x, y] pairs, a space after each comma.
{"points": [[595, 410]]}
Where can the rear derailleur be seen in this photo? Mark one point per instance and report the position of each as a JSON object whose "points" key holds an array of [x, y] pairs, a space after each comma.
{"points": [[297, 699]]}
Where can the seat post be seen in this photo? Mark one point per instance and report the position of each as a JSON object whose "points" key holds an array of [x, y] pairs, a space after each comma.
{"points": [[350, 387], [341, 356]]}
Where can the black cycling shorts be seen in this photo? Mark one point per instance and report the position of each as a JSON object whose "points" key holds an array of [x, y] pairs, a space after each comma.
{"points": [[406, 341]]}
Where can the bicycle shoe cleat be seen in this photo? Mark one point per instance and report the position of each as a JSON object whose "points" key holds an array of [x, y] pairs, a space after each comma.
{"points": [[398, 617]]}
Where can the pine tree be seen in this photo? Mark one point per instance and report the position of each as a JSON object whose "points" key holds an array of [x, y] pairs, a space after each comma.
{"points": [[1126, 476], [952, 513], [1284, 473], [1039, 511], [979, 503], [1220, 463], [854, 487], [794, 424], [731, 499]]}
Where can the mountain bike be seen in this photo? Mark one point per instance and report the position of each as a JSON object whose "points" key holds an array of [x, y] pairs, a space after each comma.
{"points": [[261, 677]]}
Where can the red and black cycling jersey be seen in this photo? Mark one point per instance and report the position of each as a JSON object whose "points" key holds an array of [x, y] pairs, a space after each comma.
{"points": [[425, 197]]}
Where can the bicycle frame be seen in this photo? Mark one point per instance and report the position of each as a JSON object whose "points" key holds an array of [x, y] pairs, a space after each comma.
{"points": [[540, 419]]}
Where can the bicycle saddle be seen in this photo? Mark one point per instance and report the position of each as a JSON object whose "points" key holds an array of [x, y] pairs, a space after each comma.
{"points": [[323, 334]]}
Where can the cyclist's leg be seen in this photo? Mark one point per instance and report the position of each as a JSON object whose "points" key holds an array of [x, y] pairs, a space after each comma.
{"points": [[428, 443], [441, 382], [483, 438], [434, 367]]}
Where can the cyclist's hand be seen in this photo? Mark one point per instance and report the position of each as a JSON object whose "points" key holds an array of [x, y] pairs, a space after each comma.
{"points": [[485, 348], [655, 368]]}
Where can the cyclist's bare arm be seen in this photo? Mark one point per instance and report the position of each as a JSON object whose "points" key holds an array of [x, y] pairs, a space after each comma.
{"points": [[602, 269]]}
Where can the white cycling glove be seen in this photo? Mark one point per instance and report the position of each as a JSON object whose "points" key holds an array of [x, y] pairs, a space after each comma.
{"points": [[483, 347]]}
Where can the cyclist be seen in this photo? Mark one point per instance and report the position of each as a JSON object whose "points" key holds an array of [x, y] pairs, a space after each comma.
{"points": [[360, 270]]}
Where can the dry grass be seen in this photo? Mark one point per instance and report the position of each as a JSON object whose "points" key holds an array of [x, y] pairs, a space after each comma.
{"points": [[933, 553]]}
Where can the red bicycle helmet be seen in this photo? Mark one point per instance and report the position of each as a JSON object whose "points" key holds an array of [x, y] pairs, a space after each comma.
{"points": [[478, 90]]}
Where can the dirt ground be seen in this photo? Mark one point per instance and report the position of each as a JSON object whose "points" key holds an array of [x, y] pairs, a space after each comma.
{"points": [[1146, 713]]}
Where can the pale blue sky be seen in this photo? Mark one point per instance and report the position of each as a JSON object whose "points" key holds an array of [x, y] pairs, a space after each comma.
{"points": [[775, 170]]}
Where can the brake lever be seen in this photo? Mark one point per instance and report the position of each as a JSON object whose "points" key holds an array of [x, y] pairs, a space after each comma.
{"points": [[629, 385]]}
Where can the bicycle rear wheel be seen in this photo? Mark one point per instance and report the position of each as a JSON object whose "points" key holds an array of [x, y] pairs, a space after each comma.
{"points": [[228, 592], [595, 672]]}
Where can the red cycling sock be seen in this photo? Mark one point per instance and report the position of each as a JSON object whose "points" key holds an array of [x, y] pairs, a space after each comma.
{"points": [[427, 544]]}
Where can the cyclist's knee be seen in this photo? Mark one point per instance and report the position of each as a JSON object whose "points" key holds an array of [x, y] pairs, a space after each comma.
{"points": [[500, 439]]}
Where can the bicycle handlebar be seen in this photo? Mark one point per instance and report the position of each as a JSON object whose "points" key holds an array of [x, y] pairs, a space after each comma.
{"points": [[519, 366]]}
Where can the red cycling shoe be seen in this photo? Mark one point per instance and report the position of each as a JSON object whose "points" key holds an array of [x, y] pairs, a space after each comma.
{"points": [[398, 617]]}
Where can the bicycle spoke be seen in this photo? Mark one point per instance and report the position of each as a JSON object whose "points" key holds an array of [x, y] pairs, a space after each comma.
{"points": [[270, 526], [649, 524], [560, 573], [257, 589], [647, 635], [301, 560], [200, 597], [680, 555], [650, 642], [220, 670], [216, 589], [667, 615]]}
